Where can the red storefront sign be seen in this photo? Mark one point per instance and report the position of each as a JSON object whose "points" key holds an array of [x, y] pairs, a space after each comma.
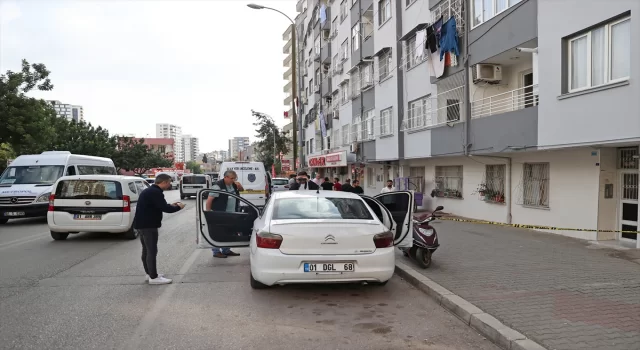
{"points": [[332, 160], [286, 165]]}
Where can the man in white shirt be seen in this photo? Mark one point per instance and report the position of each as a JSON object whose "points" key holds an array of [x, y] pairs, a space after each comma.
{"points": [[389, 187], [318, 180]]}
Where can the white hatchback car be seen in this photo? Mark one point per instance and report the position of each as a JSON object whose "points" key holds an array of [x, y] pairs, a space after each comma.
{"points": [[94, 203], [279, 184], [314, 236]]}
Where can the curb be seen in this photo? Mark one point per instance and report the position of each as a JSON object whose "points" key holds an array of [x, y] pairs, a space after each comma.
{"points": [[490, 327]]}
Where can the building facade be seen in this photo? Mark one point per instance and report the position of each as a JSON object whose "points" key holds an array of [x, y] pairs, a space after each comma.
{"points": [[172, 131], [238, 147], [493, 109], [289, 65], [190, 148], [71, 112]]}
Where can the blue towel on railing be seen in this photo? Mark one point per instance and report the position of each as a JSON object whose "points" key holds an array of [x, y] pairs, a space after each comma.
{"points": [[449, 38]]}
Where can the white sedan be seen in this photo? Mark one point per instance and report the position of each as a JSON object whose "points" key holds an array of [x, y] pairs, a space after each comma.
{"points": [[314, 236]]}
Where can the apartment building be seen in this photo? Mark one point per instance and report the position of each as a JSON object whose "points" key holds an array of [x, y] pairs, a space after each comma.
{"points": [[190, 148], [65, 110], [289, 66], [524, 115], [238, 147], [172, 131]]}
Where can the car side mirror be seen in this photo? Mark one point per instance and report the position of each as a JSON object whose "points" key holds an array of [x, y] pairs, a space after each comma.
{"points": [[438, 208]]}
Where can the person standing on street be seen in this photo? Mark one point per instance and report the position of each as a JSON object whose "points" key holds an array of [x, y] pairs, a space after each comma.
{"points": [[327, 185], [218, 202], [346, 186], [303, 183], [356, 187], [337, 186], [389, 187], [148, 219], [318, 180]]}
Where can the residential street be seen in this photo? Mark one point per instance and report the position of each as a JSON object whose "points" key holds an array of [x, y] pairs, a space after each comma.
{"points": [[88, 292], [561, 292]]}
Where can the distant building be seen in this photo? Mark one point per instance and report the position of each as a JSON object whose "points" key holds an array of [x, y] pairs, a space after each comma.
{"points": [[238, 146], [190, 148], [71, 112], [166, 146], [171, 131]]}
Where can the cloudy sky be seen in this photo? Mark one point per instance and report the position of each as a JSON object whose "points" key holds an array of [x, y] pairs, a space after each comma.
{"points": [[201, 64]]}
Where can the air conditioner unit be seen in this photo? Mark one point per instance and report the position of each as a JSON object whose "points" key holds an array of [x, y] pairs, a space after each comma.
{"points": [[489, 72], [353, 148]]}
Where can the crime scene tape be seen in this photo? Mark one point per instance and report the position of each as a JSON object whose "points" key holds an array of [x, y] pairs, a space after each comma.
{"points": [[534, 227], [252, 192]]}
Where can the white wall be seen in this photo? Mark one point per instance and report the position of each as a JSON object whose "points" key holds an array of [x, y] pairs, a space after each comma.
{"points": [[511, 80]]}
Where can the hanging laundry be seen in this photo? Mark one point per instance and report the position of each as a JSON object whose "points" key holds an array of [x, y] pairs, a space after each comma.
{"points": [[323, 14], [419, 46], [449, 39], [437, 27], [438, 66], [431, 43], [323, 125], [447, 59]]}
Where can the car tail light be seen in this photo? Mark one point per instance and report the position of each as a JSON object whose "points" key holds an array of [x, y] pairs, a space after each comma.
{"points": [[126, 204], [52, 197], [383, 240], [268, 240]]}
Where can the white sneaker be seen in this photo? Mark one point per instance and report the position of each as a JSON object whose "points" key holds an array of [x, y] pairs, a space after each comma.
{"points": [[160, 280], [159, 275]]}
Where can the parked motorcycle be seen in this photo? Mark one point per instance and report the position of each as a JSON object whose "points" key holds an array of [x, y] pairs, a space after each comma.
{"points": [[425, 239]]}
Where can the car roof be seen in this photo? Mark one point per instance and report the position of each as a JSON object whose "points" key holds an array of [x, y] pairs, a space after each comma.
{"points": [[280, 178], [314, 193], [102, 177]]}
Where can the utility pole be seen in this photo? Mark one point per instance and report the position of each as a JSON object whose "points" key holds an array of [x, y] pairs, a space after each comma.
{"points": [[296, 95]]}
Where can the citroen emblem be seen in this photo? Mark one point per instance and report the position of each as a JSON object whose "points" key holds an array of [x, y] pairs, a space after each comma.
{"points": [[330, 238], [87, 203], [14, 200]]}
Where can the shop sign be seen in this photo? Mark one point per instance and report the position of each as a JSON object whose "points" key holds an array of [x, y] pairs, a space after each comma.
{"points": [[332, 160]]}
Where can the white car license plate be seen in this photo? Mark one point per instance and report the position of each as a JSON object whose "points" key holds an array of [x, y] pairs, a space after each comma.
{"points": [[87, 217], [14, 213], [329, 267]]}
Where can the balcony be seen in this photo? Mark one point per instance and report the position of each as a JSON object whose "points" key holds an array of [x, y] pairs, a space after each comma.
{"points": [[301, 5], [447, 9], [509, 101], [287, 87], [287, 74], [287, 61], [327, 23], [326, 87], [286, 49], [434, 111], [325, 54]]}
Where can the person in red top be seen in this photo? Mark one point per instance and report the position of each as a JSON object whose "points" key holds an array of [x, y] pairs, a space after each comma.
{"points": [[337, 186]]}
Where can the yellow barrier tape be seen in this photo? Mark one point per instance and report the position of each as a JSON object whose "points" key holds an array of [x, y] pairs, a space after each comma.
{"points": [[252, 192], [535, 227]]}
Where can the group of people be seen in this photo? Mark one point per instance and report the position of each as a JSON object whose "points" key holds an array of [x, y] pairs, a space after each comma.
{"points": [[302, 181]]}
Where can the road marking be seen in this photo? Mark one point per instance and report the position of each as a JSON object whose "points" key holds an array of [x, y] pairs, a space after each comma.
{"points": [[23, 240], [150, 317]]}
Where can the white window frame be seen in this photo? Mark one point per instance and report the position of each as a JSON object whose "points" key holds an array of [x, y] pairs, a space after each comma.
{"points": [[368, 131], [410, 53], [344, 93], [366, 76], [343, 11], [607, 57], [494, 4], [386, 116], [344, 48], [355, 37], [424, 105], [444, 176], [345, 134], [384, 65], [384, 12]]}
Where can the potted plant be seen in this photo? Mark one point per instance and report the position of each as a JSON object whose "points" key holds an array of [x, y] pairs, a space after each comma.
{"points": [[482, 188], [488, 195]]}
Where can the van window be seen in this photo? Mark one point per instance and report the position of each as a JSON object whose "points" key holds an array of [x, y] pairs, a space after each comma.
{"points": [[132, 187], [280, 182], [194, 180], [32, 174], [71, 170], [88, 189], [96, 170]]}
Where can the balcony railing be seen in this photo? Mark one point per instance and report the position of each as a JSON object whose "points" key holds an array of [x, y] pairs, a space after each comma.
{"points": [[505, 102], [447, 9], [444, 108]]}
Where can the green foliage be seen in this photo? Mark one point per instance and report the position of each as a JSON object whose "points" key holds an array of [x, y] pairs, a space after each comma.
{"points": [[266, 130], [194, 167], [133, 155], [6, 153]]}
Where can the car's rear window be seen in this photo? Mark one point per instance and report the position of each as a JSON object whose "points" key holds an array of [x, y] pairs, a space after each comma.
{"points": [[191, 180], [88, 189], [320, 208], [280, 182]]}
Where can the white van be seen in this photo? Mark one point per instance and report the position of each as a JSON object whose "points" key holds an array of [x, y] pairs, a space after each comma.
{"points": [[94, 203], [175, 180], [254, 179], [190, 184], [26, 184]]}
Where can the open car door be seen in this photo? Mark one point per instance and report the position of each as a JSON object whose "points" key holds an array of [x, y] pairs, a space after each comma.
{"points": [[217, 229], [400, 205], [381, 212]]}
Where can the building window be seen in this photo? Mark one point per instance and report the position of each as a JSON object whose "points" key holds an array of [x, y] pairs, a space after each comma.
{"points": [[344, 93], [371, 177], [355, 87], [384, 11], [385, 121], [418, 113], [343, 10], [414, 54], [492, 188], [536, 185], [600, 56], [449, 181], [384, 65], [408, 2], [484, 10], [355, 37], [345, 134], [367, 125], [344, 50], [366, 76]]}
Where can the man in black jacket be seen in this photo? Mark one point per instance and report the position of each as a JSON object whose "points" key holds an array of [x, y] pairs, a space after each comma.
{"points": [[148, 220], [303, 183]]}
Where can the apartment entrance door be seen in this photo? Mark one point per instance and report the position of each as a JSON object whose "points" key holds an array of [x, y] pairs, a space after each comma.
{"points": [[527, 83], [628, 158]]}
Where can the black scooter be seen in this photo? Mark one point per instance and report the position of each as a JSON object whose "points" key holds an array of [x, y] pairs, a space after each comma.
{"points": [[425, 239]]}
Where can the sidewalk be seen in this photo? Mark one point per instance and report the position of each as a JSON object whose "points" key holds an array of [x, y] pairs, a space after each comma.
{"points": [[560, 292]]}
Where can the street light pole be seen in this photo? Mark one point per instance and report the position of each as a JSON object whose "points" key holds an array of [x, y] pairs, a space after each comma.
{"points": [[294, 78]]}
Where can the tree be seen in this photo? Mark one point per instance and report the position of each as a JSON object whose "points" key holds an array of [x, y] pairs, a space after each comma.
{"points": [[133, 155], [78, 138], [6, 153], [204, 159], [193, 166], [153, 159], [25, 121], [266, 131]]}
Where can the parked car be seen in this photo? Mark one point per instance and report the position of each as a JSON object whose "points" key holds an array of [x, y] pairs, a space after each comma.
{"points": [[191, 184], [94, 203], [280, 184], [314, 236]]}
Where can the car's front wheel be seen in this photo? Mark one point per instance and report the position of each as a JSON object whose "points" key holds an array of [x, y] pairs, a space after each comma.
{"points": [[131, 234], [255, 284], [59, 236]]}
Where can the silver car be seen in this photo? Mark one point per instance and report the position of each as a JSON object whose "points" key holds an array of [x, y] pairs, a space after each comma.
{"points": [[280, 184]]}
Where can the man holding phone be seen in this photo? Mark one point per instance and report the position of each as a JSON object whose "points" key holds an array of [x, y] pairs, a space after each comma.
{"points": [[148, 219], [303, 183], [223, 202]]}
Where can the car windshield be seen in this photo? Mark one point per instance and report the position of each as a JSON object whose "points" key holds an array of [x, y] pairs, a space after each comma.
{"points": [[280, 182], [32, 174], [88, 189], [191, 180], [320, 208]]}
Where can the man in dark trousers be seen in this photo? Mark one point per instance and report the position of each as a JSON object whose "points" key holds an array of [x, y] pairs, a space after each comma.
{"points": [[222, 202], [148, 219], [303, 183]]}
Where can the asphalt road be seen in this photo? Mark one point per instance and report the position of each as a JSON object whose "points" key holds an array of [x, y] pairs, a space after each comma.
{"points": [[88, 292]]}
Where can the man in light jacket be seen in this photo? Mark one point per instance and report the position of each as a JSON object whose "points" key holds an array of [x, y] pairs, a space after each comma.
{"points": [[389, 187]]}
